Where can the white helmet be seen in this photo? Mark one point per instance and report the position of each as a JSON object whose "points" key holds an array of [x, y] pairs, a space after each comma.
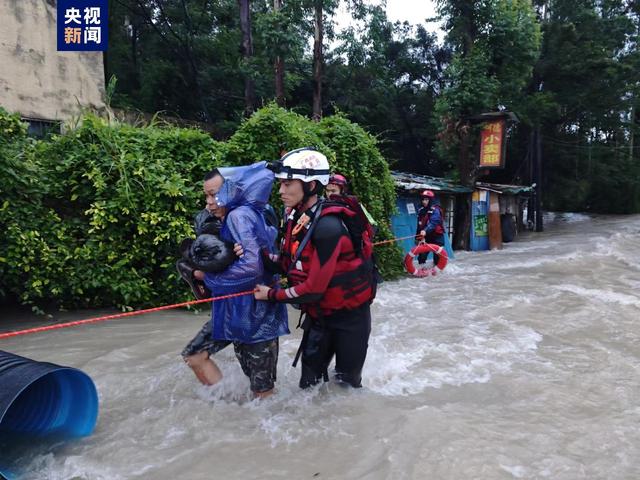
{"points": [[304, 164]]}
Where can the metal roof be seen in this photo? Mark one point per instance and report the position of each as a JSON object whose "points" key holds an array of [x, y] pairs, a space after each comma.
{"points": [[412, 181], [485, 117], [503, 188]]}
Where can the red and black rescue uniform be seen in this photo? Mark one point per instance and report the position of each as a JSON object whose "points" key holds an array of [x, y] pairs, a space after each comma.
{"points": [[430, 220], [334, 286]]}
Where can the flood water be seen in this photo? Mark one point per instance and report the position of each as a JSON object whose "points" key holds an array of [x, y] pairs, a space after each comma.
{"points": [[519, 363]]}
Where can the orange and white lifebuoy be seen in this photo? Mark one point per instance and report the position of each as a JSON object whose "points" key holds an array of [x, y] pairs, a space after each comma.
{"points": [[425, 248]]}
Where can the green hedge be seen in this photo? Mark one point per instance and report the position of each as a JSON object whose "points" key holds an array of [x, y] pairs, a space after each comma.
{"points": [[358, 158], [350, 150], [93, 217]]}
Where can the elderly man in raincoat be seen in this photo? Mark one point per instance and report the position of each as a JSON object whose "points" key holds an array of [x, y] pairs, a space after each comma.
{"points": [[238, 196]]}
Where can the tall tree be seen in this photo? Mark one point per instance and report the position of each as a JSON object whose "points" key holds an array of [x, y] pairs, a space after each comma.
{"points": [[247, 53], [178, 56], [386, 77], [318, 60], [278, 64], [588, 71], [321, 11], [496, 45]]}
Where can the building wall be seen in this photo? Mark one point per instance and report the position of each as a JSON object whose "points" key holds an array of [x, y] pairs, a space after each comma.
{"points": [[35, 79]]}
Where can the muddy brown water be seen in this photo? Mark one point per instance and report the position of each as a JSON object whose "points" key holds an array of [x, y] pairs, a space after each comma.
{"points": [[521, 363]]}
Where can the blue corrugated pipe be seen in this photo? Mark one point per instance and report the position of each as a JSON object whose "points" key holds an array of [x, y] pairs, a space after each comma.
{"points": [[43, 400]]}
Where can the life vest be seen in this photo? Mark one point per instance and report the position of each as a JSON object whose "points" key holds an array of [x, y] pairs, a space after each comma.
{"points": [[423, 220], [355, 277]]}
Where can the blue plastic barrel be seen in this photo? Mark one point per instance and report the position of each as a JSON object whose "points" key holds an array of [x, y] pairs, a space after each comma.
{"points": [[42, 400]]}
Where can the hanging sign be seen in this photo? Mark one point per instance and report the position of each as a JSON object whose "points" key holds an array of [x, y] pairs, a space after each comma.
{"points": [[492, 145]]}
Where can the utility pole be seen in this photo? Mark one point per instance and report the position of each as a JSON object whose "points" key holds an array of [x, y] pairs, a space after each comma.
{"points": [[538, 150], [467, 178], [531, 158]]}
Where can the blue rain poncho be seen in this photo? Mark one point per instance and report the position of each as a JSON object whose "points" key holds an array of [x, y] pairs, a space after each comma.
{"points": [[245, 193]]}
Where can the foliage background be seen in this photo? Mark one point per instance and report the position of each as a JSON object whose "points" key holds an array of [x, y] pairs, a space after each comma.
{"points": [[567, 68], [93, 217], [76, 205]]}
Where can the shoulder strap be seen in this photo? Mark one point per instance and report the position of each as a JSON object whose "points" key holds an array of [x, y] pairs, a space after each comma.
{"points": [[306, 237]]}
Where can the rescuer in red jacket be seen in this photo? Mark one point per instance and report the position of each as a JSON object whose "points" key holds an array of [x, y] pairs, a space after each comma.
{"points": [[331, 279]]}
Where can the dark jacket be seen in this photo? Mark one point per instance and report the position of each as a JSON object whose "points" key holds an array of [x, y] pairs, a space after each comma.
{"points": [[430, 219]]}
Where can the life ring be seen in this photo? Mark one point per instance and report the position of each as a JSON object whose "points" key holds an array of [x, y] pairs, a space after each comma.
{"points": [[425, 248]]}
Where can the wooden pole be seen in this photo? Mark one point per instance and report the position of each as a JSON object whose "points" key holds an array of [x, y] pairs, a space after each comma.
{"points": [[538, 150]]}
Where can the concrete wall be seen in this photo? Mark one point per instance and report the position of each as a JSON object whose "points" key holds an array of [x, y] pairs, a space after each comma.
{"points": [[35, 79]]}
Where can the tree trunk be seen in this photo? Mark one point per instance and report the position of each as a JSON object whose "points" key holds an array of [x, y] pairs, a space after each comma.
{"points": [[278, 66], [465, 159], [466, 178], [134, 57], [462, 230], [531, 205], [632, 129], [317, 62], [538, 153], [247, 53]]}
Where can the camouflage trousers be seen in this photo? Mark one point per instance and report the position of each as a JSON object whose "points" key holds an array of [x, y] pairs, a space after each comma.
{"points": [[258, 361]]}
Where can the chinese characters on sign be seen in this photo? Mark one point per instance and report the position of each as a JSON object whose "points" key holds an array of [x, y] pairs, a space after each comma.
{"points": [[82, 25], [491, 142]]}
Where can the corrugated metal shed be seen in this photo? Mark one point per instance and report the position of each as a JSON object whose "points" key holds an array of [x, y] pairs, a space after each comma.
{"points": [[408, 186]]}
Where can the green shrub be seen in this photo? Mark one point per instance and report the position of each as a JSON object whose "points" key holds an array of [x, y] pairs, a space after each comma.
{"points": [[358, 158], [269, 132], [350, 150], [118, 199], [93, 217], [23, 219]]}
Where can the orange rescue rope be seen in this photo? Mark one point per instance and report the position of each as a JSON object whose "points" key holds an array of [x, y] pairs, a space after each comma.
{"points": [[148, 310], [118, 315]]}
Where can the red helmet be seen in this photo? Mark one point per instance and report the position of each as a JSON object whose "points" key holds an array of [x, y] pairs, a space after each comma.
{"points": [[427, 194], [338, 179]]}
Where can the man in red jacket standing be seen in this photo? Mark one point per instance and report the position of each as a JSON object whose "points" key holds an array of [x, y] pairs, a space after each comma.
{"points": [[328, 277], [430, 228]]}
